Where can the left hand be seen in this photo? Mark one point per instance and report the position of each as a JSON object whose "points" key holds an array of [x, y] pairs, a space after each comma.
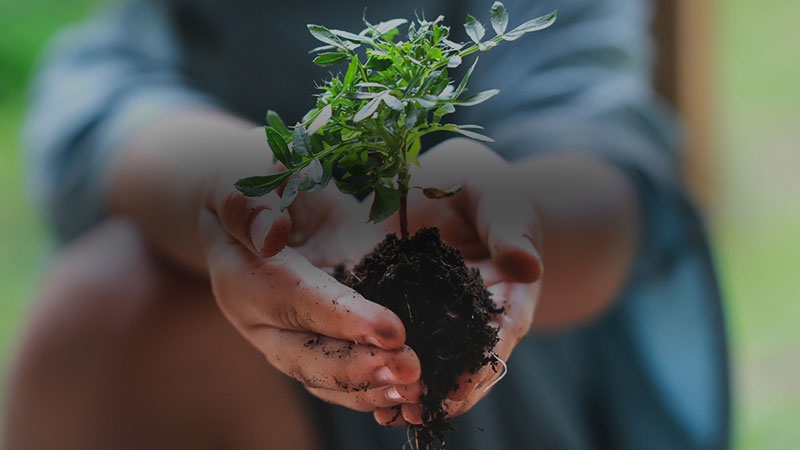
{"points": [[497, 230]]}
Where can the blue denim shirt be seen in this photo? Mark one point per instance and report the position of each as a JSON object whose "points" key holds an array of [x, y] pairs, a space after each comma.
{"points": [[650, 374]]}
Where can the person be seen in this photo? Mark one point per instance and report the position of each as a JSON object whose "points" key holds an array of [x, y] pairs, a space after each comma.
{"points": [[177, 313]]}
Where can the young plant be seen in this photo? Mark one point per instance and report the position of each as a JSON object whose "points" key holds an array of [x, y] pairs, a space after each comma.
{"points": [[369, 121], [367, 126]]}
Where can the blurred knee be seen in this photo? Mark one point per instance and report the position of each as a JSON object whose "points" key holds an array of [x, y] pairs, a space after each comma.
{"points": [[60, 374]]}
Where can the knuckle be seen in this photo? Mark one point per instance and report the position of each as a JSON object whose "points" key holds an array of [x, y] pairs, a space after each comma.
{"points": [[286, 316], [352, 378]]}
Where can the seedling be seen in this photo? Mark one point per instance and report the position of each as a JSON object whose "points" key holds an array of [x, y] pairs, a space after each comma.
{"points": [[367, 126], [369, 121]]}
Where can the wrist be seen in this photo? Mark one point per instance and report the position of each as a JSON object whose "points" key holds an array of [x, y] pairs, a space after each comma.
{"points": [[168, 171]]}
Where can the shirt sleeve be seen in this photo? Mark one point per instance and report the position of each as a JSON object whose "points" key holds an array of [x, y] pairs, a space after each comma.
{"points": [[99, 83], [584, 85]]}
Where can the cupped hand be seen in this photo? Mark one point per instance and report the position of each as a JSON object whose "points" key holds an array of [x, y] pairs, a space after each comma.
{"points": [[266, 272], [497, 230]]}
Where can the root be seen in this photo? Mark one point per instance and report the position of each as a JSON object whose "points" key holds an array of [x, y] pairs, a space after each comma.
{"points": [[502, 374]]}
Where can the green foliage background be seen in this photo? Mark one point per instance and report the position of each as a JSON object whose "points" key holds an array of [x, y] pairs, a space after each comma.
{"points": [[755, 220]]}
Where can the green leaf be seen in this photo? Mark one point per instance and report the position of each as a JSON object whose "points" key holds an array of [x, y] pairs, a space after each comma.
{"points": [[430, 80], [354, 185], [311, 175], [351, 36], [488, 45], [453, 45], [324, 35], [322, 119], [290, 191], [463, 84], [352, 72], [469, 134], [446, 94], [413, 151], [389, 25], [499, 15], [536, 24], [317, 143], [370, 84], [274, 120], [392, 102], [478, 98], [362, 95], [475, 29], [379, 64], [368, 109], [427, 101], [314, 171], [413, 116], [301, 144], [327, 174], [321, 49], [385, 202], [279, 147], [329, 59], [260, 185], [442, 111], [454, 62]]}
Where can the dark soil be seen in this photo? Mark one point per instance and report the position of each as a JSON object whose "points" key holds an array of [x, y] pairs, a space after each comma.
{"points": [[446, 311]]}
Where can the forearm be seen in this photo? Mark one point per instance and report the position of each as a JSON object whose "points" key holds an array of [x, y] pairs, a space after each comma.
{"points": [[163, 176], [590, 225]]}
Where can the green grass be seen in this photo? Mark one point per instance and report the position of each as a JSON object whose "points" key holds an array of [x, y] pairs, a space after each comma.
{"points": [[757, 226], [756, 222], [758, 265], [24, 28]]}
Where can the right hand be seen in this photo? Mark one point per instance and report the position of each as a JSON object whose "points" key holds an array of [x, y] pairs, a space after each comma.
{"points": [[265, 271]]}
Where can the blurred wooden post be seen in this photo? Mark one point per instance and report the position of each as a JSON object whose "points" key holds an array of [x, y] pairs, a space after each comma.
{"points": [[683, 76]]}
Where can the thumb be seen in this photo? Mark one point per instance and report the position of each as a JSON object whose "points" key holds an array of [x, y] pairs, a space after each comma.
{"points": [[510, 229], [256, 222]]}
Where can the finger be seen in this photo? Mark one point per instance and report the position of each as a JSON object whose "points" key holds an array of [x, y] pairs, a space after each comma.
{"points": [[320, 362], [307, 298], [509, 227], [412, 413], [490, 273], [389, 417], [256, 222], [287, 292], [518, 302], [371, 399]]}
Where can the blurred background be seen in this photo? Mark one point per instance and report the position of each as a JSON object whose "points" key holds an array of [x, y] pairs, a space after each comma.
{"points": [[753, 211]]}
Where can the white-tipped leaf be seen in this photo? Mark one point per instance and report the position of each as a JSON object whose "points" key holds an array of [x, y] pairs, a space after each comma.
{"points": [[322, 119], [368, 109], [532, 25], [499, 16], [392, 102], [478, 98], [475, 30]]}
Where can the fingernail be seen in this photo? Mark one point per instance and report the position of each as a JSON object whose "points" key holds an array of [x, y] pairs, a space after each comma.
{"points": [[386, 376], [371, 340], [394, 395], [526, 243], [259, 228]]}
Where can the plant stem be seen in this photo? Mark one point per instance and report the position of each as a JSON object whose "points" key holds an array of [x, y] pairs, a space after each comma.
{"points": [[403, 212], [403, 178], [402, 184]]}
